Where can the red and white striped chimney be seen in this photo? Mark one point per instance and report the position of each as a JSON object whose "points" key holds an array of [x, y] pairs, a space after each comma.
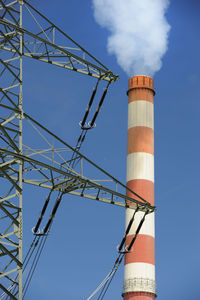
{"points": [[139, 269]]}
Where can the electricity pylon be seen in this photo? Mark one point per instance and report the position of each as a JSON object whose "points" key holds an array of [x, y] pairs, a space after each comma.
{"points": [[59, 167]]}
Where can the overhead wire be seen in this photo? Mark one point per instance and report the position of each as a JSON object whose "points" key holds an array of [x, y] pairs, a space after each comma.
{"points": [[39, 239], [35, 241], [100, 285], [108, 282], [30, 272], [45, 231], [34, 265], [104, 285], [43, 237], [27, 258], [106, 279], [26, 261]]}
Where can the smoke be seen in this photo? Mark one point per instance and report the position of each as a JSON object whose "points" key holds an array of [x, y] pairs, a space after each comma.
{"points": [[138, 32]]}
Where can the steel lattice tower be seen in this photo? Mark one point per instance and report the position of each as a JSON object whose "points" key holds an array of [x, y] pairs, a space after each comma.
{"points": [[21, 163], [11, 139]]}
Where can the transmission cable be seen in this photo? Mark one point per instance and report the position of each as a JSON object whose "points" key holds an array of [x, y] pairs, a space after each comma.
{"points": [[121, 255], [106, 279], [26, 259], [34, 264], [104, 285], [44, 236], [38, 239]]}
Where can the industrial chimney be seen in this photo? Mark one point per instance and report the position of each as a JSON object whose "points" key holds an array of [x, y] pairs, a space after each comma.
{"points": [[139, 269]]}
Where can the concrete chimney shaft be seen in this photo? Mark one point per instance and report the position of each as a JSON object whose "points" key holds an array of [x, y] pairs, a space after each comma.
{"points": [[139, 269]]}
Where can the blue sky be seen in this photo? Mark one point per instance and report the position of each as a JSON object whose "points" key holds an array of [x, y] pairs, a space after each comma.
{"points": [[82, 246]]}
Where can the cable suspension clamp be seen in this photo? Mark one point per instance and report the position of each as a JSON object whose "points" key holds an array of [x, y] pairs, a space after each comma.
{"points": [[87, 126], [39, 232]]}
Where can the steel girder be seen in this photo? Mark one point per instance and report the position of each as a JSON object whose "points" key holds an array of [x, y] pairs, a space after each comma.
{"points": [[44, 45]]}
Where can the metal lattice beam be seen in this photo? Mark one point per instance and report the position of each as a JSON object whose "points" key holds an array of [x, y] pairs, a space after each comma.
{"points": [[68, 181], [43, 45]]}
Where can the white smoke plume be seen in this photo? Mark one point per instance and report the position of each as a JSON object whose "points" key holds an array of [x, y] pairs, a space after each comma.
{"points": [[138, 32]]}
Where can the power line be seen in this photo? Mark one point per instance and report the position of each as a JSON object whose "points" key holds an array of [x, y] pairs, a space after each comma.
{"points": [[26, 260], [43, 237], [39, 239], [34, 264], [105, 284]]}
